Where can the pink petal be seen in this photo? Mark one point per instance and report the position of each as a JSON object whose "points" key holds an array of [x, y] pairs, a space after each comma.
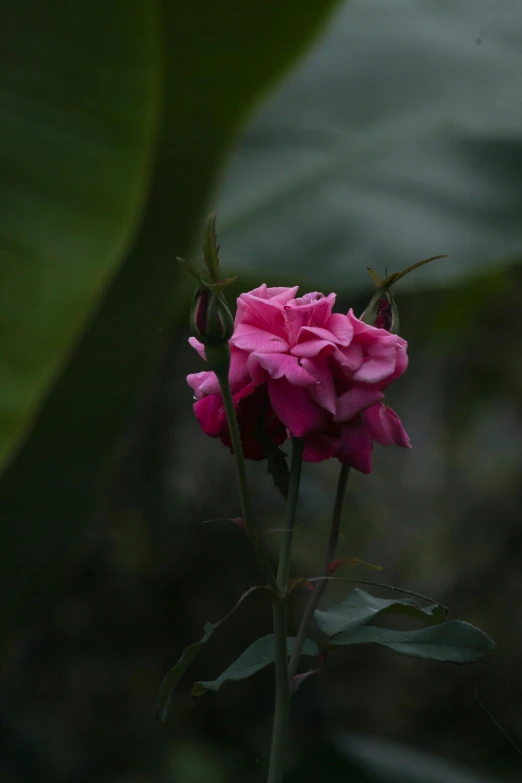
{"points": [[400, 365], [350, 358], [355, 446], [313, 348], [251, 338], [311, 332], [295, 408], [309, 310], [323, 392], [380, 359], [203, 383], [237, 375], [211, 415], [356, 400], [359, 327], [317, 448], [279, 366], [386, 427], [199, 347], [341, 327], [264, 308]]}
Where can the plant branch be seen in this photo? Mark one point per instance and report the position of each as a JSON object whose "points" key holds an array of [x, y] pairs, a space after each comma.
{"points": [[242, 481], [315, 597], [279, 609]]}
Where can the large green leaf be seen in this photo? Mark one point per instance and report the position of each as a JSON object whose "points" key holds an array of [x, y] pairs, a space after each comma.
{"points": [[453, 641], [359, 608], [391, 762], [70, 158], [260, 654], [360, 758], [79, 109], [400, 138]]}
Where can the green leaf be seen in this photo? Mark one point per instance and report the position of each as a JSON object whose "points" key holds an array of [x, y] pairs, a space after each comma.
{"points": [[277, 466], [80, 126], [452, 641], [79, 112], [256, 657], [359, 608], [383, 159], [384, 761], [360, 758], [175, 674]]}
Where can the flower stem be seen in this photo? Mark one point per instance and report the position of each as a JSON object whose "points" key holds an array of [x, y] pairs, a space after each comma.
{"points": [[315, 597], [235, 437], [279, 610]]}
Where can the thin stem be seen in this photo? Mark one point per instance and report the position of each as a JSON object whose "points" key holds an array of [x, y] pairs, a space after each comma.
{"points": [[242, 481], [282, 695], [283, 568], [279, 610], [315, 597]]}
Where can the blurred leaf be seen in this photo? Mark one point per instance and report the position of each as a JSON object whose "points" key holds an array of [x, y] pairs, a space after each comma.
{"points": [[359, 758], [260, 654], [390, 762], [359, 608], [452, 641], [175, 674], [79, 110], [392, 142], [78, 133]]}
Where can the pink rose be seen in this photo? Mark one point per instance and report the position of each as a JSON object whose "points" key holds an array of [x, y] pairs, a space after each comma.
{"points": [[324, 374]]}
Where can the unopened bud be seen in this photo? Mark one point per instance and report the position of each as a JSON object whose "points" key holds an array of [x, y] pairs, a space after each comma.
{"points": [[382, 312], [211, 320]]}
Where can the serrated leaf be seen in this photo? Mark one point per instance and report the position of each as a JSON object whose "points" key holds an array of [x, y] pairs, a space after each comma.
{"points": [[256, 657], [453, 641], [276, 463], [359, 608], [174, 675]]}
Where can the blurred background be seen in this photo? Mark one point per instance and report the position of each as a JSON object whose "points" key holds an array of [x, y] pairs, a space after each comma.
{"points": [[397, 137]]}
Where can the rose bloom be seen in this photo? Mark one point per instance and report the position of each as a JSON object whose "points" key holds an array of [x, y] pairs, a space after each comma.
{"points": [[298, 369]]}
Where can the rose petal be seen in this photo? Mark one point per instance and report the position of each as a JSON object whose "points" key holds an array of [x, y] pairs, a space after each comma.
{"points": [[386, 427], [310, 310], [264, 308], [380, 360], [401, 364], [312, 348], [355, 446], [199, 347], [210, 414], [279, 366], [251, 338], [317, 448], [203, 383], [356, 400], [323, 392], [341, 327], [237, 375], [295, 408], [350, 358]]}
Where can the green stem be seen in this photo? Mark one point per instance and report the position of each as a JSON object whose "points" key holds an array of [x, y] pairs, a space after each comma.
{"points": [[279, 610], [242, 481], [315, 597], [282, 697], [283, 568]]}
